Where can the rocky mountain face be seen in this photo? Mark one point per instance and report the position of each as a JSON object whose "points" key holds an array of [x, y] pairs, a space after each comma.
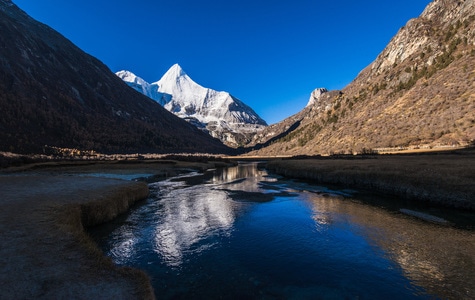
{"points": [[53, 94], [419, 92], [217, 113], [320, 99]]}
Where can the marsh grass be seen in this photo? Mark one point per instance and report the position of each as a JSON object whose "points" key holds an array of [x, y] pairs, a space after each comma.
{"points": [[75, 218], [446, 179]]}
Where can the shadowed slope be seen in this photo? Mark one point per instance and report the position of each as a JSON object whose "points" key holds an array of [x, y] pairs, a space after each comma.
{"points": [[52, 93]]}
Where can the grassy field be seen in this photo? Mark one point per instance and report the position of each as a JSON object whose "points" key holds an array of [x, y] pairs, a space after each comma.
{"points": [[446, 178]]}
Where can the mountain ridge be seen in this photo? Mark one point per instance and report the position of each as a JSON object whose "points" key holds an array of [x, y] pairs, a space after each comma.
{"points": [[418, 92]]}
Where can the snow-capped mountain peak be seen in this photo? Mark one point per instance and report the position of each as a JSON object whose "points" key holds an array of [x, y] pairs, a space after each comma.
{"points": [[223, 115], [178, 84], [134, 81], [130, 77], [175, 71], [142, 86]]}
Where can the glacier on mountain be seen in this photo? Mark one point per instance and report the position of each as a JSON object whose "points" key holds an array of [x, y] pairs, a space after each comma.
{"points": [[219, 113]]}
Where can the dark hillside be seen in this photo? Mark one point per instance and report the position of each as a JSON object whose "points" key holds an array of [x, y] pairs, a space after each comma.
{"points": [[52, 93]]}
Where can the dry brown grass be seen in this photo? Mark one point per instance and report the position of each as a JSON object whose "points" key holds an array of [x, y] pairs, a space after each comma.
{"points": [[159, 167], [46, 252], [446, 179]]}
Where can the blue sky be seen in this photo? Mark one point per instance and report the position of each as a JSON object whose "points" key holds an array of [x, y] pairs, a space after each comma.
{"points": [[269, 54]]}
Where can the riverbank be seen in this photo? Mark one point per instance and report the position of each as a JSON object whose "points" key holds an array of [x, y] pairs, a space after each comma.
{"points": [[44, 210], [46, 252], [446, 179]]}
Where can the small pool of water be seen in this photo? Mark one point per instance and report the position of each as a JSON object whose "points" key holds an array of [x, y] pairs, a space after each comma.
{"points": [[239, 233]]}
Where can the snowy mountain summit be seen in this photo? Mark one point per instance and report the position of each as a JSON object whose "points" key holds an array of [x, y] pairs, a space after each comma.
{"points": [[222, 115]]}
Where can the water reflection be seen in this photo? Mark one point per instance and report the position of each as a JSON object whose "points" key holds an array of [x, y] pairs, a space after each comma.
{"points": [[190, 214], [244, 177], [440, 259], [212, 236], [124, 246]]}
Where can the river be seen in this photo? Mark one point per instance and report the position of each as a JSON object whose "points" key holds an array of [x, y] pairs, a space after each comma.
{"points": [[241, 233]]}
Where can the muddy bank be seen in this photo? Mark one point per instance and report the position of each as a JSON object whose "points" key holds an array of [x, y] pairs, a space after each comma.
{"points": [[46, 252], [444, 179]]}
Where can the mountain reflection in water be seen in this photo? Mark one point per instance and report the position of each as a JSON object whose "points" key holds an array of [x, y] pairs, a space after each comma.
{"points": [[239, 233], [187, 217], [192, 213]]}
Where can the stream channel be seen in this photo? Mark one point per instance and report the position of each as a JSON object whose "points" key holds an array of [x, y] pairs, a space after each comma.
{"points": [[241, 233]]}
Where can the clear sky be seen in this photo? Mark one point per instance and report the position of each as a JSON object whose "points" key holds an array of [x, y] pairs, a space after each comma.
{"points": [[271, 54]]}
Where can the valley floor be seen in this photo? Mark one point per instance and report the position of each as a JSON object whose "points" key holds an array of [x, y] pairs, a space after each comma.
{"points": [[44, 208], [445, 178]]}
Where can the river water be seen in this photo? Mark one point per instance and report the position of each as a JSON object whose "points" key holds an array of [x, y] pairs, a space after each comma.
{"points": [[240, 233]]}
